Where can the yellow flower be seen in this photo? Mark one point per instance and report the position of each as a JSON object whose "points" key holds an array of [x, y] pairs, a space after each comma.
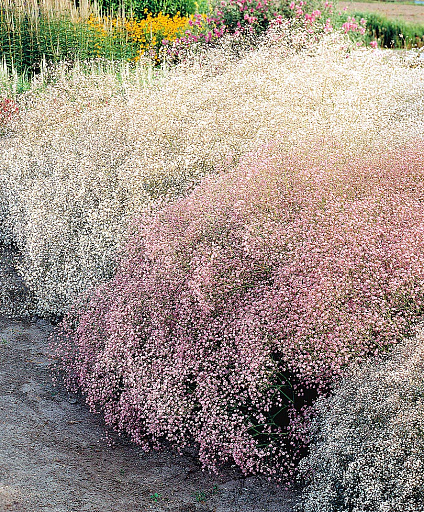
{"points": [[148, 33]]}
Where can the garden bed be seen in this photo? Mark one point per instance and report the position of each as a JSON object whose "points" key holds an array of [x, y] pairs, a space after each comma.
{"points": [[216, 250]]}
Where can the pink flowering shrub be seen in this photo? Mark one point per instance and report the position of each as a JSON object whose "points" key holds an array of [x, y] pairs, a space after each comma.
{"points": [[234, 307], [354, 27], [246, 20], [246, 24], [254, 15]]}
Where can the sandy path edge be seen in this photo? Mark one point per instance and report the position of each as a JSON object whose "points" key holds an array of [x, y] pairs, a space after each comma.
{"points": [[54, 456]]}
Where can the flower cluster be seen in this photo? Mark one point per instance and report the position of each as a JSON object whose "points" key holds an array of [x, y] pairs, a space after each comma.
{"points": [[73, 175], [351, 25], [8, 109], [234, 307], [368, 447], [151, 33], [244, 18]]}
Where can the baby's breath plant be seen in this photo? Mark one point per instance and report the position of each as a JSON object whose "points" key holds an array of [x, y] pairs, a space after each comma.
{"points": [[88, 152], [234, 307], [21, 88], [368, 438]]}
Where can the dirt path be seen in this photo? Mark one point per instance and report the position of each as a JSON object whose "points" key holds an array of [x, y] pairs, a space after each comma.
{"points": [[54, 456], [393, 10]]}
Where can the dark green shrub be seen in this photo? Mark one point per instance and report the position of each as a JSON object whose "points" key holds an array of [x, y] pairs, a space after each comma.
{"points": [[140, 8]]}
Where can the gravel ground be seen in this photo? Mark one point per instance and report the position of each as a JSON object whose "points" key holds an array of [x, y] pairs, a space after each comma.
{"points": [[56, 456]]}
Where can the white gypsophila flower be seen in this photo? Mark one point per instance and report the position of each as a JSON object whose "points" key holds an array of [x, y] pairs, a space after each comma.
{"points": [[89, 153], [368, 448]]}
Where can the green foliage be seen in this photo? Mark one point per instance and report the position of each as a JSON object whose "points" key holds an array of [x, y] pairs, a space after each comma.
{"points": [[203, 6], [391, 33], [202, 496], [24, 43], [140, 8], [156, 497]]}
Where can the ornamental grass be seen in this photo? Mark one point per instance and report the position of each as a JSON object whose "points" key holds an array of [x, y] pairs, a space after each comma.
{"points": [[139, 8], [54, 30], [236, 306]]}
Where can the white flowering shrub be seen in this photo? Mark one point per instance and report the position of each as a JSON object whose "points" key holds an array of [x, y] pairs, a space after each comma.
{"points": [[368, 448], [88, 153]]}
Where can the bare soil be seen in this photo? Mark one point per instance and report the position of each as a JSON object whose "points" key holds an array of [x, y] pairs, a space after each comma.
{"points": [[392, 10], [57, 456]]}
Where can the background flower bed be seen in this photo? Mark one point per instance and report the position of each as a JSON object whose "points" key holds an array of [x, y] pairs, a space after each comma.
{"points": [[55, 30]]}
